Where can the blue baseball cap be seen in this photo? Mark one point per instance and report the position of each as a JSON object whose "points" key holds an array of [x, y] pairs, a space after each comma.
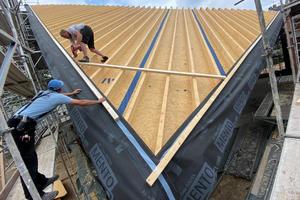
{"points": [[55, 84]]}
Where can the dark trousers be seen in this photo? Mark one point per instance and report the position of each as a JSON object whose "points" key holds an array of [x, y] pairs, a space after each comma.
{"points": [[28, 155]]}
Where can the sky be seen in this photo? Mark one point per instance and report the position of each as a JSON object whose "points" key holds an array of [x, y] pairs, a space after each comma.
{"points": [[247, 4]]}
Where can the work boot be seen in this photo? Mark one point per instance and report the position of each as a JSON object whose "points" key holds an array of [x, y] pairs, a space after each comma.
{"points": [[50, 195], [84, 59], [104, 58], [51, 180]]}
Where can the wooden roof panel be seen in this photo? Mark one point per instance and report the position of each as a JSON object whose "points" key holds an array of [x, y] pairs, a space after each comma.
{"points": [[200, 40]]}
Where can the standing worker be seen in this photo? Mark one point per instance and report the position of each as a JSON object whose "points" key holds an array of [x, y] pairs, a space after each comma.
{"points": [[24, 122], [80, 35]]}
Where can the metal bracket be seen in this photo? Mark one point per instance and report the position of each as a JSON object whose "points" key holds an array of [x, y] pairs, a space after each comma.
{"points": [[3, 148], [292, 136], [268, 52]]}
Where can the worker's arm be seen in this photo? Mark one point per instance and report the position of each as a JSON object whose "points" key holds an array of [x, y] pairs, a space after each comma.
{"points": [[77, 91], [78, 38], [73, 39], [86, 102]]}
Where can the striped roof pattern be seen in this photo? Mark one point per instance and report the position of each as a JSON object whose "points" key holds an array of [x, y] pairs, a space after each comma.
{"points": [[208, 41]]}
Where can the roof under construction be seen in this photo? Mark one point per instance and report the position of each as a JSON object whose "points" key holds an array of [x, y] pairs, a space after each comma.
{"points": [[197, 41], [196, 70]]}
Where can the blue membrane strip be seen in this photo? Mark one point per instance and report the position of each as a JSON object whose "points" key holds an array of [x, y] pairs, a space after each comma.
{"points": [[212, 51], [136, 78], [124, 104], [147, 159]]}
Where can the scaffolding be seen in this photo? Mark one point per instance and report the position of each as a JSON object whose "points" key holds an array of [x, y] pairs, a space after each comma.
{"points": [[14, 49], [287, 178], [23, 73]]}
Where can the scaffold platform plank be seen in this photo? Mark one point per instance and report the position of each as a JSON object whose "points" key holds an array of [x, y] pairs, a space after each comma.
{"points": [[287, 179]]}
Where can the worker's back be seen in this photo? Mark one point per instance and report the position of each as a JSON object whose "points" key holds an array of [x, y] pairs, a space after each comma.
{"points": [[46, 102]]}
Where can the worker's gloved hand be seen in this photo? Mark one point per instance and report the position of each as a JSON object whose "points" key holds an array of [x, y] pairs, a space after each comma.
{"points": [[101, 100], [77, 91], [26, 138], [76, 47]]}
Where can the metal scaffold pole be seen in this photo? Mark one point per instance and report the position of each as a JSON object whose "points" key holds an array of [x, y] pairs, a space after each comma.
{"points": [[2, 168], [288, 38], [270, 67]]}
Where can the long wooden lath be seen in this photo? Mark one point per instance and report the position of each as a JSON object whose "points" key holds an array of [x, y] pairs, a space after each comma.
{"points": [[158, 71]]}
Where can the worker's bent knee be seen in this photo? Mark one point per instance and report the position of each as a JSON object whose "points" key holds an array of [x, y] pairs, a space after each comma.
{"points": [[92, 49]]}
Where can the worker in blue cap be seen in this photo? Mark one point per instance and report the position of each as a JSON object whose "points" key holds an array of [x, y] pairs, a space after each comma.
{"points": [[24, 122]]}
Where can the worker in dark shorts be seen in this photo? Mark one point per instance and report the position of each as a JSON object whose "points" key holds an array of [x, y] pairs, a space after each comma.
{"points": [[24, 122], [81, 35]]}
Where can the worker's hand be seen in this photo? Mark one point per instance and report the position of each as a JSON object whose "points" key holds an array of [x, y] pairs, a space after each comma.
{"points": [[77, 91], [101, 100], [76, 46], [74, 51]]}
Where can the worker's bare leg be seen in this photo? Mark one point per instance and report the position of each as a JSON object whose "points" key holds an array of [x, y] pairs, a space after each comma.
{"points": [[96, 52], [84, 50], [104, 58]]}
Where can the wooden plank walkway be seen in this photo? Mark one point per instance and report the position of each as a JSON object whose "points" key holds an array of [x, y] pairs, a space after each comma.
{"points": [[287, 179]]}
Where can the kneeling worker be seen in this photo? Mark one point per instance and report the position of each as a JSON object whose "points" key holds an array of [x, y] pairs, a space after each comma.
{"points": [[80, 35], [24, 121]]}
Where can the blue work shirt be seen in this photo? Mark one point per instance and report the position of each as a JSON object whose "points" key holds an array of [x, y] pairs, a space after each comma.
{"points": [[44, 104]]}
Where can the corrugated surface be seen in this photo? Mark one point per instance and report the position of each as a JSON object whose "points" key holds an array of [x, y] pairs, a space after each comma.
{"points": [[200, 40]]}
